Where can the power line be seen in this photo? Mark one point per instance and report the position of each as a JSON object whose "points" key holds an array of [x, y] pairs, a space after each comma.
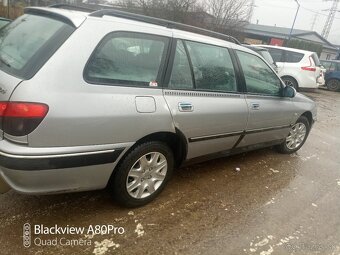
{"points": [[330, 19]]}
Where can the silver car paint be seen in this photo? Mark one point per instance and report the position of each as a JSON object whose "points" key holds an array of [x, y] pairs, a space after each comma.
{"points": [[85, 117]]}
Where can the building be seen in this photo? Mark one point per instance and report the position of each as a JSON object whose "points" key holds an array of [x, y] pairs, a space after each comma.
{"points": [[262, 34]]}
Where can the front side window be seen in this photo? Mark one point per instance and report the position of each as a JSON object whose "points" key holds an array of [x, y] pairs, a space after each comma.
{"points": [[126, 58], [260, 79], [212, 66], [266, 55], [181, 77], [276, 54]]}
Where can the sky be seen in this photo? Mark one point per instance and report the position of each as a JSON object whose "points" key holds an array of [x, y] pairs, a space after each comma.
{"points": [[282, 12]]}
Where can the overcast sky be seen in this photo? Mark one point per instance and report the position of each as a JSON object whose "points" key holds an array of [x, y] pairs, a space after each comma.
{"points": [[282, 12]]}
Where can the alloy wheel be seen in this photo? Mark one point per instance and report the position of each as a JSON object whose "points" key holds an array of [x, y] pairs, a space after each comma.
{"points": [[296, 136], [146, 175]]}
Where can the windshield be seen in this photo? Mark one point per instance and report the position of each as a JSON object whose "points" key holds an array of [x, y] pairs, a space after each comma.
{"points": [[266, 55], [316, 59], [27, 43]]}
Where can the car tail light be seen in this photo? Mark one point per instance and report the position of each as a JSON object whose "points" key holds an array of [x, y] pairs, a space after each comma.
{"points": [[310, 67], [21, 118]]}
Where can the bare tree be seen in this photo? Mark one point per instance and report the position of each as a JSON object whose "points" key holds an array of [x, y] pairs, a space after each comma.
{"points": [[176, 10], [230, 15]]}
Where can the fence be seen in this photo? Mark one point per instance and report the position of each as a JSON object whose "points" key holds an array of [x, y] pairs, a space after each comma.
{"points": [[14, 11]]}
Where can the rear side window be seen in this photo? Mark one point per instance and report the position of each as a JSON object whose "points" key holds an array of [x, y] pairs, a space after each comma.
{"points": [[293, 57], [276, 54], [125, 58], [29, 41], [212, 67]]}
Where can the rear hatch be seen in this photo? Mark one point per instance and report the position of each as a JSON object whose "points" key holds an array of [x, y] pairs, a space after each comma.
{"points": [[25, 46]]}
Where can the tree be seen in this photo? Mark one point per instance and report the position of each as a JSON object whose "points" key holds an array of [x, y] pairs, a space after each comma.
{"points": [[175, 10], [230, 15]]}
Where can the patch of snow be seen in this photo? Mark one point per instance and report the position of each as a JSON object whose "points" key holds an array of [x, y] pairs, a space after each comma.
{"points": [[139, 230]]}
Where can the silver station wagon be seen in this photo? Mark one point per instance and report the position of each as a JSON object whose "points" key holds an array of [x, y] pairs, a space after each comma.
{"points": [[96, 99]]}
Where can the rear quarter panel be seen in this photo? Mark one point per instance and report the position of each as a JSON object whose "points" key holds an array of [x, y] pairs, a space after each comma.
{"points": [[85, 114]]}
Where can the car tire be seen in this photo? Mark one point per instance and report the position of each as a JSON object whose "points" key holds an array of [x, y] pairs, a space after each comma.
{"points": [[289, 81], [140, 176], [294, 140], [333, 85]]}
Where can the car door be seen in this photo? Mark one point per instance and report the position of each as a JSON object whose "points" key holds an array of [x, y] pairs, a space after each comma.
{"points": [[270, 115], [203, 97]]}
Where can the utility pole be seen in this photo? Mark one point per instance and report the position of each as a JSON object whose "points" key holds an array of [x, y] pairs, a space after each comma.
{"points": [[329, 22], [251, 10], [297, 11], [314, 21], [8, 7]]}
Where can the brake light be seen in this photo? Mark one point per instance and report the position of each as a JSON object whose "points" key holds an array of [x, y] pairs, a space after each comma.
{"points": [[310, 67], [21, 118]]}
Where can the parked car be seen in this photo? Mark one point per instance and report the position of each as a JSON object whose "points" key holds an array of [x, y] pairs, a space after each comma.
{"points": [[264, 53], [332, 75], [4, 22], [118, 100], [297, 68]]}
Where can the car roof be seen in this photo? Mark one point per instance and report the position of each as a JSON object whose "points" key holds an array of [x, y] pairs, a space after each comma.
{"points": [[1, 18], [77, 17], [287, 48], [74, 17], [254, 47], [331, 60]]}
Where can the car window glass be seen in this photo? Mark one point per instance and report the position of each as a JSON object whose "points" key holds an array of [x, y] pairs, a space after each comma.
{"points": [[127, 58], [332, 67], [326, 65], [276, 54], [260, 79], [28, 42], [293, 57], [316, 59], [212, 66], [266, 55], [181, 77]]}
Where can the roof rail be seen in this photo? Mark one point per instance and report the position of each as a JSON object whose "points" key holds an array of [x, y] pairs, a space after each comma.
{"points": [[162, 22], [73, 7]]}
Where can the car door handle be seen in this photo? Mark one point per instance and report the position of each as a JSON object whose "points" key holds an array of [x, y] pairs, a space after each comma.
{"points": [[185, 107], [255, 106]]}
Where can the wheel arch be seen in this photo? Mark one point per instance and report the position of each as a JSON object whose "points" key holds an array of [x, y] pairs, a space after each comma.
{"points": [[291, 77], [176, 141], [309, 117]]}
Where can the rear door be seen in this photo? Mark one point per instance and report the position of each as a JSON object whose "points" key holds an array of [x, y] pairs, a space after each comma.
{"points": [[203, 97], [270, 115]]}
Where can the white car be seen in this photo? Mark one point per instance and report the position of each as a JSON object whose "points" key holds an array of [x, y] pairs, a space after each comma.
{"points": [[297, 68]]}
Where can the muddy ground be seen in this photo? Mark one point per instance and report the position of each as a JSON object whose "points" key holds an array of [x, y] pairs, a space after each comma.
{"points": [[276, 204]]}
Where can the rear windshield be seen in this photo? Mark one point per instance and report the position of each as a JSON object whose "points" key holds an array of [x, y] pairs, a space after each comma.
{"points": [[266, 55], [316, 59], [28, 42]]}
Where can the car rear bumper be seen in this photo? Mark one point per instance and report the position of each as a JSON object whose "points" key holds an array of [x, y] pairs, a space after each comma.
{"points": [[58, 169], [307, 80]]}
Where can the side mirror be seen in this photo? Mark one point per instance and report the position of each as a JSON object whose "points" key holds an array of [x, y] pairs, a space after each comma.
{"points": [[289, 91]]}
